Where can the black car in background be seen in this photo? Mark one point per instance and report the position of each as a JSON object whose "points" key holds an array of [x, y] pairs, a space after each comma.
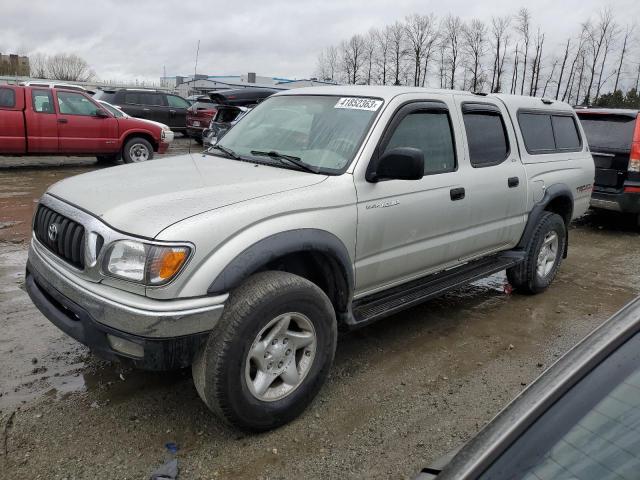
{"points": [[153, 105], [205, 108], [614, 140], [579, 421]]}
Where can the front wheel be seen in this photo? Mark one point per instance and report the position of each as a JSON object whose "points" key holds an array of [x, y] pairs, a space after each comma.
{"points": [[543, 256], [270, 353], [136, 150]]}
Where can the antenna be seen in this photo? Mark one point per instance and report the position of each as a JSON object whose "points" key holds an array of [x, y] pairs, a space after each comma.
{"points": [[195, 69]]}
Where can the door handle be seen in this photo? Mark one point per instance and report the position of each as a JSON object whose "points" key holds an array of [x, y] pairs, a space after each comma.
{"points": [[456, 194], [513, 182], [172, 112], [63, 120], [146, 110]]}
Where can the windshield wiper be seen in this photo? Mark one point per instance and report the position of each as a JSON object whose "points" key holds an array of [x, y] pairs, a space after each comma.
{"points": [[227, 151], [289, 158]]}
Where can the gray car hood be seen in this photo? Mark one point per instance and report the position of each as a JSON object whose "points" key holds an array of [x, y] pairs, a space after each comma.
{"points": [[145, 198]]}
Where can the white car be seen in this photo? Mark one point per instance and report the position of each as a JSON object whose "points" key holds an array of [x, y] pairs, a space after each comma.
{"points": [[168, 133]]}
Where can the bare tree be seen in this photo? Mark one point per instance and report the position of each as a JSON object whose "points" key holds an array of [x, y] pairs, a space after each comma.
{"points": [[369, 54], [596, 36], [524, 27], [535, 66], [353, 57], [38, 65], [452, 30], [514, 71], [622, 52], [68, 67], [608, 41], [564, 63], [383, 40], [398, 50], [572, 72], [499, 31], [416, 31], [475, 45], [550, 77], [422, 35]]}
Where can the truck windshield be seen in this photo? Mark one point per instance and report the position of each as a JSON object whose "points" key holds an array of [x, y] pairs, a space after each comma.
{"points": [[323, 132]]}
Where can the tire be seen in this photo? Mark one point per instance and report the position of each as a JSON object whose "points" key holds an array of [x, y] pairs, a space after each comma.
{"points": [[107, 159], [530, 276], [222, 369], [137, 149], [198, 140]]}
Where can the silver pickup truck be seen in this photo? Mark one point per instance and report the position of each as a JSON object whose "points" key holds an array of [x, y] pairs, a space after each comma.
{"points": [[323, 208]]}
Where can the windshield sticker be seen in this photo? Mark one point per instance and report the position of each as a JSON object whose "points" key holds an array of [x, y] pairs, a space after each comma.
{"points": [[356, 103]]}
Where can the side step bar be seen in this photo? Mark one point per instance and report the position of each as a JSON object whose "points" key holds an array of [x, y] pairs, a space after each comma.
{"points": [[379, 305]]}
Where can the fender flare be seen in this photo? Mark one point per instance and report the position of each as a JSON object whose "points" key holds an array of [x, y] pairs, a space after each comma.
{"points": [[554, 191], [261, 253]]}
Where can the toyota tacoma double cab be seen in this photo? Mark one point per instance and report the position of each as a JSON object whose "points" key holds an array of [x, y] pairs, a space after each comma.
{"points": [[322, 208], [62, 121]]}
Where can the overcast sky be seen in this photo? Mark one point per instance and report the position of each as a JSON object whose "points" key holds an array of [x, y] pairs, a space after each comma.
{"points": [[124, 40]]}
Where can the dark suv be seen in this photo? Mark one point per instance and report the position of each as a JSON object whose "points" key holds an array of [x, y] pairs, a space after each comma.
{"points": [[153, 105], [614, 138]]}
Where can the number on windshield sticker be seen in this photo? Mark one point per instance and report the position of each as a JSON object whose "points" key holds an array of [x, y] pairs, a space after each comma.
{"points": [[356, 103]]}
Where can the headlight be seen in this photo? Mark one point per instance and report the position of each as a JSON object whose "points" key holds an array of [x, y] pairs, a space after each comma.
{"points": [[144, 263]]}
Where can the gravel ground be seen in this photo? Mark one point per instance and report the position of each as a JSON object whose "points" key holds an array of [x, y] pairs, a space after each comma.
{"points": [[402, 392]]}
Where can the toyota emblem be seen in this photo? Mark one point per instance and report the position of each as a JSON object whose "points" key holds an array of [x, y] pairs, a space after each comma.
{"points": [[53, 232]]}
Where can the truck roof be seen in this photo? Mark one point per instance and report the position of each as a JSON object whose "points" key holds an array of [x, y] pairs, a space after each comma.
{"points": [[389, 92]]}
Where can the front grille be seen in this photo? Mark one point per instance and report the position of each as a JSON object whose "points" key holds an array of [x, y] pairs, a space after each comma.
{"points": [[61, 235]]}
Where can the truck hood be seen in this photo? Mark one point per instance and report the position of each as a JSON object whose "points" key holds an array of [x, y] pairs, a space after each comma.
{"points": [[145, 198]]}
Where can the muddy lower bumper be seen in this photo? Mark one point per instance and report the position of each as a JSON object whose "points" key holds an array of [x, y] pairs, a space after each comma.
{"points": [[628, 202], [151, 336]]}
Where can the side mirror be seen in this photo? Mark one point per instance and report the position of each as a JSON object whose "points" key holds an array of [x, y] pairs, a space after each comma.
{"points": [[402, 163], [102, 114]]}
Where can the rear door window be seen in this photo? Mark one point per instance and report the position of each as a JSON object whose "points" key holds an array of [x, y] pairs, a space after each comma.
{"points": [[177, 102], [608, 132], [537, 132], [430, 132], [7, 98], [565, 132], [132, 98], [42, 101], [486, 136], [154, 99]]}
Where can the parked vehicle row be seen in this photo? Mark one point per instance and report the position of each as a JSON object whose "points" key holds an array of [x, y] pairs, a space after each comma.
{"points": [[323, 207], [206, 107], [58, 121]]}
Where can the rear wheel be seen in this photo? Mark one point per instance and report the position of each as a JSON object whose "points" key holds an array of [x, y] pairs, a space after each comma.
{"points": [[136, 150], [543, 256], [270, 353]]}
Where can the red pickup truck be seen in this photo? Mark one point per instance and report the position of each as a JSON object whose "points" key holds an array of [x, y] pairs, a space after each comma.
{"points": [[58, 121]]}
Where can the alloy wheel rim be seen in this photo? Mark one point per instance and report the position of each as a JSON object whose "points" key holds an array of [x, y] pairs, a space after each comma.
{"points": [[139, 152], [548, 254], [280, 357]]}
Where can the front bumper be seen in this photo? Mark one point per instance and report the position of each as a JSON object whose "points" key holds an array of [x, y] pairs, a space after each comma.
{"points": [[620, 202], [168, 332], [164, 145]]}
